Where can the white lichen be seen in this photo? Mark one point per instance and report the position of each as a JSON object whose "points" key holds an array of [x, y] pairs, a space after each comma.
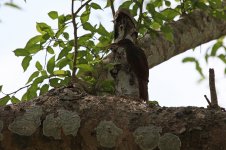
{"points": [[169, 141], [108, 134], [27, 124], [66, 121], [147, 137]]}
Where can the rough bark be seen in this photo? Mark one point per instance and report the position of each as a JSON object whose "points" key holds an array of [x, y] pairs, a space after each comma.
{"points": [[189, 32], [68, 119]]}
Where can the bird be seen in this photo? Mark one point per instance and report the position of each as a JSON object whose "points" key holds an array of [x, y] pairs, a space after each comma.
{"points": [[138, 63]]}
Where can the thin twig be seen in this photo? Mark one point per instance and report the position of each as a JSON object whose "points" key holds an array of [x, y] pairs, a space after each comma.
{"points": [[141, 14], [75, 14], [208, 101], [213, 93], [75, 35], [16, 90], [75, 40], [112, 8]]}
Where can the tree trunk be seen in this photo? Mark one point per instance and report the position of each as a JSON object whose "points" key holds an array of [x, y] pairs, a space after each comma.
{"points": [[68, 119]]}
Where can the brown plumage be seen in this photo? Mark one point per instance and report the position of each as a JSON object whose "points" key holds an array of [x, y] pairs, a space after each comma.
{"points": [[138, 63]]}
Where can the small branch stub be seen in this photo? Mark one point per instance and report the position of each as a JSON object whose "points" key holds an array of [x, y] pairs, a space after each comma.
{"points": [[213, 93]]}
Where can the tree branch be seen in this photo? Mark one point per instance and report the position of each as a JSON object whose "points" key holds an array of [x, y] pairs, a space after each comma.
{"points": [[80, 8], [75, 34], [140, 15], [190, 31], [16, 90], [112, 8]]}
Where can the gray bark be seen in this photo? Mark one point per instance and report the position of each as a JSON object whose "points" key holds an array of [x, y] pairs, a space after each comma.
{"points": [[69, 119], [189, 32]]}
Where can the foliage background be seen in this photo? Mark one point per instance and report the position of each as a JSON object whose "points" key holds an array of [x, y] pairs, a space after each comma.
{"points": [[171, 83]]}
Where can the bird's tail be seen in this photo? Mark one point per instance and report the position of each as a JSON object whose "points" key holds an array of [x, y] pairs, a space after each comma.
{"points": [[143, 89]]}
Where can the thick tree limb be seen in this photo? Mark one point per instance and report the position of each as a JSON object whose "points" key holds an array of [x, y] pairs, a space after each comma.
{"points": [[190, 31], [66, 118]]}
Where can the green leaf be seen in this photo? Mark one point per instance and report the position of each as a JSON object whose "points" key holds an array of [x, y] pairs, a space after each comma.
{"points": [[4, 100], [44, 73], [66, 35], [53, 14], [44, 28], [39, 79], [51, 65], [154, 25], [126, 4], [158, 3], [85, 16], [34, 40], [189, 59], [167, 32], [108, 4], [151, 8], [60, 43], [50, 50], [61, 21], [85, 67], [32, 49], [167, 3], [201, 5], [62, 63], [199, 69], [89, 27], [170, 14], [33, 75], [107, 85], [222, 58], [84, 38], [60, 31], [14, 100], [64, 52], [0, 88], [32, 91], [65, 81], [44, 89], [95, 6], [215, 47], [21, 52], [61, 73], [12, 5], [54, 82], [102, 31], [26, 62], [38, 66], [24, 97], [134, 10]]}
